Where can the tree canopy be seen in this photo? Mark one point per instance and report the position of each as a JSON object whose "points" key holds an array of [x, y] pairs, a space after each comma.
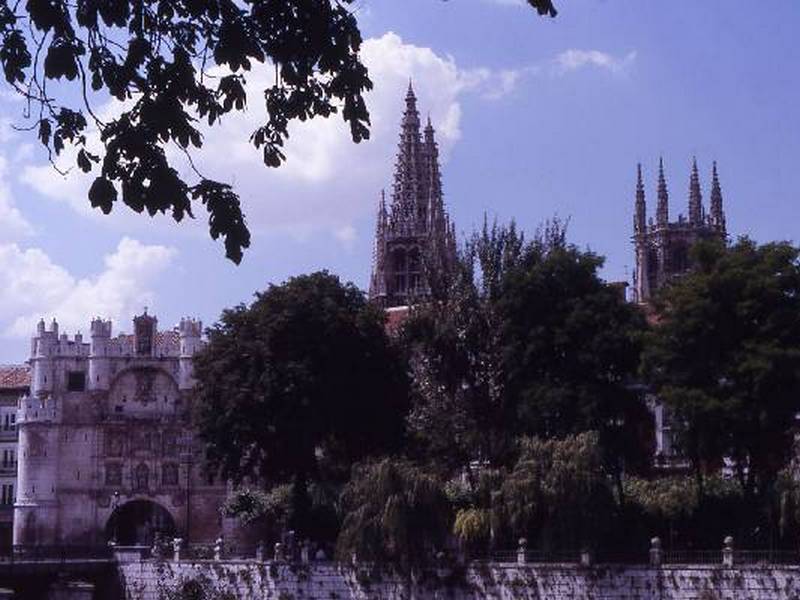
{"points": [[570, 351], [302, 380], [557, 495], [725, 356], [157, 57]]}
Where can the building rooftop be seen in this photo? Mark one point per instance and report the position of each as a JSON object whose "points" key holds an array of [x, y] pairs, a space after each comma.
{"points": [[14, 376]]}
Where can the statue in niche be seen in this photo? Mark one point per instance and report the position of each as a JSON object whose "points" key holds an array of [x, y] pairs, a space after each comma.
{"points": [[145, 383], [115, 443], [141, 478]]}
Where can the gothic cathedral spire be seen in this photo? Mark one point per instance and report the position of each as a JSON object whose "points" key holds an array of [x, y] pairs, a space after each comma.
{"points": [[414, 239]]}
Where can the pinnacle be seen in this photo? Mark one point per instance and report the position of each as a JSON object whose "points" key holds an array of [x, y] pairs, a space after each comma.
{"points": [[410, 94]]}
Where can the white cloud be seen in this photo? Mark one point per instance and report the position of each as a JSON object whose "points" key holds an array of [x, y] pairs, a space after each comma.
{"points": [[574, 59], [34, 286], [13, 225]]}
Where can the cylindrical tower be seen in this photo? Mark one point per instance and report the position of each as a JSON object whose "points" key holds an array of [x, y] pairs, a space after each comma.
{"points": [[36, 509]]}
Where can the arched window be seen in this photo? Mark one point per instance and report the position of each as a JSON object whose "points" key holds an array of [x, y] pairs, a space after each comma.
{"points": [[399, 270], [679, 259], [414, 270]]}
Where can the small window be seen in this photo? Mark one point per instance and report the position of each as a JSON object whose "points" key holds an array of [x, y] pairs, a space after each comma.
{"points": [[76, 381]]}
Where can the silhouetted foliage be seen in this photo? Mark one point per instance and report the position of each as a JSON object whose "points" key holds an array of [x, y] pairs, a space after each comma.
{"points": [[454, 355], [299, 385], [158, 58], [557, 495], [571, 347], [394, 511], [725, 357]]}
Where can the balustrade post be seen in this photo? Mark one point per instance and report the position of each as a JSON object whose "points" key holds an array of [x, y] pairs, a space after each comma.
{"points": [[218, 549], [656, 554], [727, 552], [176, 549], [522, 549], [587, 560]]}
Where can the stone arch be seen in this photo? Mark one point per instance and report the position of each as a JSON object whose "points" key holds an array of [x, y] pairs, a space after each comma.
{"points": [[132, 368], [144, 388], [138, 521]]}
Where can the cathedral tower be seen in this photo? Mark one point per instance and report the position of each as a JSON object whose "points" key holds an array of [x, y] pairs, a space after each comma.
{"points": [[414, 237], [662, 247]]}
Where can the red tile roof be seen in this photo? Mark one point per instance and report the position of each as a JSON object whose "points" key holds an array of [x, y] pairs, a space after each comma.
{"points": [[395, 317], [15, 376]]}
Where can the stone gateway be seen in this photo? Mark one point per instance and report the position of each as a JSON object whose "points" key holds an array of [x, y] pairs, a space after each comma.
{"points": [[106, 451]]}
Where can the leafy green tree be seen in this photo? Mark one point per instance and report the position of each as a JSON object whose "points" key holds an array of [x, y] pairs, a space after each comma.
{"points": [[557, 495], [299, 385], [571, 348], [454, 353], [393, 511], [725, 356], [157, 57]]}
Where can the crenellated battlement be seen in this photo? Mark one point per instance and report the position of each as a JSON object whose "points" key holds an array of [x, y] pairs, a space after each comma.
{"points": [[100, 328], [189, 327], [32, 409]]}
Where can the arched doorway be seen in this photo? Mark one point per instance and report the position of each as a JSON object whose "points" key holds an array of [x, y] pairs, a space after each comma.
{"points": [[136, 523]]}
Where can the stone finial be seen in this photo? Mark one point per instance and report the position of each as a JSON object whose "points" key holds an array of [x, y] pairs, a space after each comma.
{"points": [[522, 549], [218, 549], [656, 554], [176, 549], [587, 557], [727, 551]]}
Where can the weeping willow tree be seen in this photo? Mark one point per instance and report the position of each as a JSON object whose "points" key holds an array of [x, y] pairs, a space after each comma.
{"points": [[392, 511], [557, 495]]}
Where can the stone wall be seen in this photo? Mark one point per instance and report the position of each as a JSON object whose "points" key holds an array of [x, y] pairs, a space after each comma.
{"points": [[247, 580]]}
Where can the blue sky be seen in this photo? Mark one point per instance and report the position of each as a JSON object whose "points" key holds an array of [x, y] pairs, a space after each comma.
{"points": [[535, 117]]}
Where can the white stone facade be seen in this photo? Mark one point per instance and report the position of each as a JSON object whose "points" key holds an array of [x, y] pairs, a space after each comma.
{"points": [[105, 429]]}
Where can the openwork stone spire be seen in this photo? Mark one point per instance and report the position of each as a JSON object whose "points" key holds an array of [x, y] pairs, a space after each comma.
{"points": [[695, 196], [662, 210], [414, 239], [717, 212], [640, 216]]}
